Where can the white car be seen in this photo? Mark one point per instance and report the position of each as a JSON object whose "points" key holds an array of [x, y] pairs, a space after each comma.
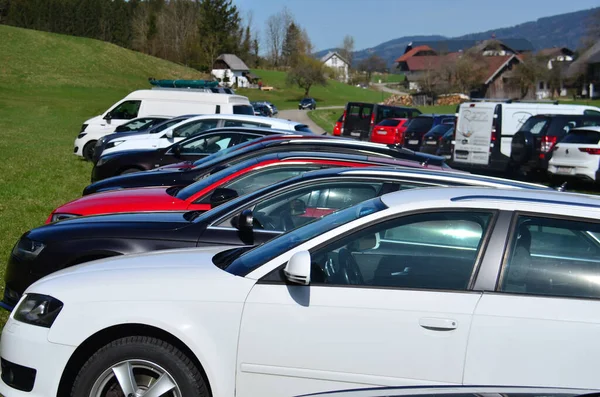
{"points": [[427, 286], [165, 101], [577, 155], [195, 125]]}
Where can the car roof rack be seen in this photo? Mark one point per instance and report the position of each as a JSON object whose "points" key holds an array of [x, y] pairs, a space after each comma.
{"points": [[510, 100], [183, 84]]}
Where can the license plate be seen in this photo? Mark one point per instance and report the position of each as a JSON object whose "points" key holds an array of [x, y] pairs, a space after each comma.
{"points": [[564, 170], [431, 142], [413, 142], [355, 133], [447, 156], [382, 132]]}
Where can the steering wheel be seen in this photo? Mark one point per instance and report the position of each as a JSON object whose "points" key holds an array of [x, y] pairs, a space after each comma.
{"points": [[349, 270]]}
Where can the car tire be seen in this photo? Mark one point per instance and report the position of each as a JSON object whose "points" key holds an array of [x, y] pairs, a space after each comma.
{"points": [[143, 360], [129, 171], [88, 150], [521, 148]]}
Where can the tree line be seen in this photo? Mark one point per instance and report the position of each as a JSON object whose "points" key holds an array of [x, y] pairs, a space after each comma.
{"points": [[189, 32]]}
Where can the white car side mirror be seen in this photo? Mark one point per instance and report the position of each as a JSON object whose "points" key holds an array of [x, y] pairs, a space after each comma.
{"points": [[297, 270], [169, 134]]}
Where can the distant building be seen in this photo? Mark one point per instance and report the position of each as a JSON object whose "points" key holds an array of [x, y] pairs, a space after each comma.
{"points": [[339, 64], [229, 69], [585, 72], [558, 60]]}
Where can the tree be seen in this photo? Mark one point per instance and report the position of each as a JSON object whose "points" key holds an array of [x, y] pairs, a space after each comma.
{"points": [[374, 63], [347, 49], [527, 74], [468, 72], [276, 28], [218, 28], [290, 49], [255, 52], [307, 73]]}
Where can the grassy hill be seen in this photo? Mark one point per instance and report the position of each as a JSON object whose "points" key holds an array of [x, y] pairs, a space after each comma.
{"points": [[287, 97], [49, 85]]}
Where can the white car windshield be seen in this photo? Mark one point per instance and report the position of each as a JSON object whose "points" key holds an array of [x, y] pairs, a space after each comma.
{"points": [[260, 255]]}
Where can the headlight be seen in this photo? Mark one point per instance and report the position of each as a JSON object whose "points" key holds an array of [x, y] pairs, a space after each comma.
{"points": [[83, 127], [60, 217], [40, 310], [113, 144], [27, 248], [101, 161], [81, 135]]}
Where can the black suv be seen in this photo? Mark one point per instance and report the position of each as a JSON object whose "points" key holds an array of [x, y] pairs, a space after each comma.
{"points": [[532, 145], [307, 103], [421, 125]]}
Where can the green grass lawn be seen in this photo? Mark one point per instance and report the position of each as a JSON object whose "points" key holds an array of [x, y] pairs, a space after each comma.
{"points": [[49, 85], [287, 97]]}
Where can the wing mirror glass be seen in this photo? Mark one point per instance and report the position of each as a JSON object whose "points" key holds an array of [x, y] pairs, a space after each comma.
{"points": [[297, 270], [221, 196]]}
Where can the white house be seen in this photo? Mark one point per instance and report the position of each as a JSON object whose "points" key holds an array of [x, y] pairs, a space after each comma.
{"points": [[336, 62], [231, 67], [558, 59]]}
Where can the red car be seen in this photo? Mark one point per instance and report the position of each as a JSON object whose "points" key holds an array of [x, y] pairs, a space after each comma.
{"points": [[337, 129], [390, 131], [242, 178]]}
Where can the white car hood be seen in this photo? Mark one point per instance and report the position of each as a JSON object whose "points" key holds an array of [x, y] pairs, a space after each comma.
{"points": [[95, 120], [180, 274]]}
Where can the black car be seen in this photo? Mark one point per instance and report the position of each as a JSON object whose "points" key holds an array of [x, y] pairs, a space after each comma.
{"points": [[531, 147], [262, 110], [359, 118], [250, 219], [445, 146], [422, 124], [432, 139], [255, 148], [307, 103], [191, 149], [107, 141]]}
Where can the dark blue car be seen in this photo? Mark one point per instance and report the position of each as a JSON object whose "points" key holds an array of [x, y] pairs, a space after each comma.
{"points": [[421, 125]]}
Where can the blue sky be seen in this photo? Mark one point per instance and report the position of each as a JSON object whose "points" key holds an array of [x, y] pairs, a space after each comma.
{"points": [[372, 22]]}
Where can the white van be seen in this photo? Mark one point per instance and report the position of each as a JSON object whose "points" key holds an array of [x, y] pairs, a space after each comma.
{"points": [[166, 102], [484, 130], [195, 125]]}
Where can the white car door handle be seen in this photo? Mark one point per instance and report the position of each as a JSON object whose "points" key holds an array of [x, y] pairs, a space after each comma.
{"points": [[438, 324]]}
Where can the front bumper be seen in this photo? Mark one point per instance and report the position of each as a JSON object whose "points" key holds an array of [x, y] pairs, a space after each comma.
{"points": [[27, 346], [18, 278], [78, 146]]}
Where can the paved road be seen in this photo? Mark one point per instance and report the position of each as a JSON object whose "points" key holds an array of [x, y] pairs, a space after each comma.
{"points": [[301, 116], [385, 88]]}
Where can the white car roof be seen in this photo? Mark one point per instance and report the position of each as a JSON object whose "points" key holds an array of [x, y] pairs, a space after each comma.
{"points": [[244, 117], [550, 202]]}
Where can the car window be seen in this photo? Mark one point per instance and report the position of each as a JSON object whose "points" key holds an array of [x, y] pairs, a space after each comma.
{"points": [[239, 123], [138, 124], [389, 123], [243, 109], [302, 128], [265, 177], [587, 137], [553, 257], [194, 127], [296, 208], [590, 112], [166, 124], [420, 124], [423, 251], [207, 145], [126, 111]]}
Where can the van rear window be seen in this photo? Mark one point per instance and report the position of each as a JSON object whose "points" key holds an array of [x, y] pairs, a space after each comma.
{"points": [[243, 109], [586, 137]]}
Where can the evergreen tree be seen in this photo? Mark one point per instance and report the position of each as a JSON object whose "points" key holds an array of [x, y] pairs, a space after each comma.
{"points": [[218, 28], [290, 50], [246, 50]]}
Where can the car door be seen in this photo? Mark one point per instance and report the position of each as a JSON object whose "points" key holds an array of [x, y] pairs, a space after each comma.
{"points": [[205, 145], [541, 325], [388, 304]]}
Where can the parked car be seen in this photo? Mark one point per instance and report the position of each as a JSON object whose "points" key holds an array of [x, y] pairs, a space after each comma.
{"points": [[421, 125], [307, 103], [390, 131], [337, 128], [485, 129], [243, 177], [452, 270], [76, 240], [577, 155], [458, 391], [108, 141], [184, 175], [166, 102], [191, 149], [198, 124], [261, 109], [445, 145], [269, 105], [532, 145], [359, 118], [432, 139]]}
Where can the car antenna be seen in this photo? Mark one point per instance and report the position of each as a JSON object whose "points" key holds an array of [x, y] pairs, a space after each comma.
{"points": [[425, 163], [562, 187]]}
